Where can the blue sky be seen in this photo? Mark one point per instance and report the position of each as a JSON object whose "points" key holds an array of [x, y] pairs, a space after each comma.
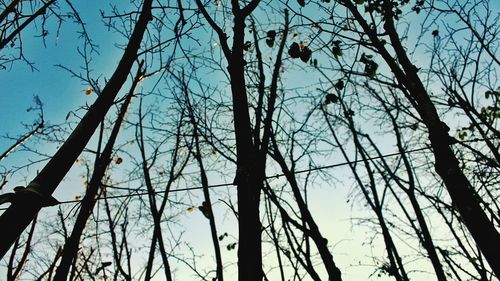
{"points": [[56, 88], [62, 93]]}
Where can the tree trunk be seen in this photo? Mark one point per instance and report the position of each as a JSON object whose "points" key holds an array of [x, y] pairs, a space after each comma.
{"points": [[71, 246], [28, 203], [446, 164], [248, 179]]}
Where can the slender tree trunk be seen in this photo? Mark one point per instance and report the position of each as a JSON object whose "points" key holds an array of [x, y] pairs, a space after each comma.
{"points": [[116, 253], [155, 212], [204, 183], [395, 260], [427, 241], [295, 247], [71, 247], [424, 235], [274, 237], [11, 276], [321, 243], [28, 203]]}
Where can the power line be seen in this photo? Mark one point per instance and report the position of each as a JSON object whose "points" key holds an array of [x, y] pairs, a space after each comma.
{"points": [[230, 184], [267, 177], [146, 192]]}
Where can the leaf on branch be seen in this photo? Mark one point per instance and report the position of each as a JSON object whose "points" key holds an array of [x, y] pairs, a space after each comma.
{"points": [[331, 98], [371, 69], [300, 51], [294, 50], [305, 54], [271, 37], [365, 58], [462, 134], [489, 94], [118, 160], [302, 3], [286, 252], [231, 246], [270, 42], [336, 50], [206, 209], [222, 236], [247, 45], [339, 85], [349, 113], [370, 65]]}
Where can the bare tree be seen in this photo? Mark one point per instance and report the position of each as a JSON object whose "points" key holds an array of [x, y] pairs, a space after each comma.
{"points": [[37, 194], [103, 159]]}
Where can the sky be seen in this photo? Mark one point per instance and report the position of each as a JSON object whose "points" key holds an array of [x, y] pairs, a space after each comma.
{"points": [[57, 89], [62, 93]]}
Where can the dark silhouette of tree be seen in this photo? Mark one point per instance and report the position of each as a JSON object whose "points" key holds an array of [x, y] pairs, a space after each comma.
{"points": [[206, 206], [37, 194], [71, 246], [402, 94], [250, 153], [373, 27], [446, 163]]}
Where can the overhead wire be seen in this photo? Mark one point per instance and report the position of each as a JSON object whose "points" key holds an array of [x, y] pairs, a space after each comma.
{"points": [[137, 193]]}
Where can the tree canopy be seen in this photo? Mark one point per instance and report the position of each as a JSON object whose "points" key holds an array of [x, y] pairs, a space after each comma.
{"points": [[250, 140]]}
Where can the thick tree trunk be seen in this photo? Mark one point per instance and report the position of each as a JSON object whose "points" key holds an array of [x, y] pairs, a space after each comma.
{"points": [[248, 177], [249, 184], [29, 202], [446, 164]]}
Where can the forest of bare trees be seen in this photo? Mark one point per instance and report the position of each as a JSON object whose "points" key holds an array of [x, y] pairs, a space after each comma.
{"points": [[250, 140]]}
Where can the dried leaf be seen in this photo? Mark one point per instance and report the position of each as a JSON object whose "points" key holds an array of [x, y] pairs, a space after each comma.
{"points": [[305, 55], [118, 160], [331, 98], [294, 50]]}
